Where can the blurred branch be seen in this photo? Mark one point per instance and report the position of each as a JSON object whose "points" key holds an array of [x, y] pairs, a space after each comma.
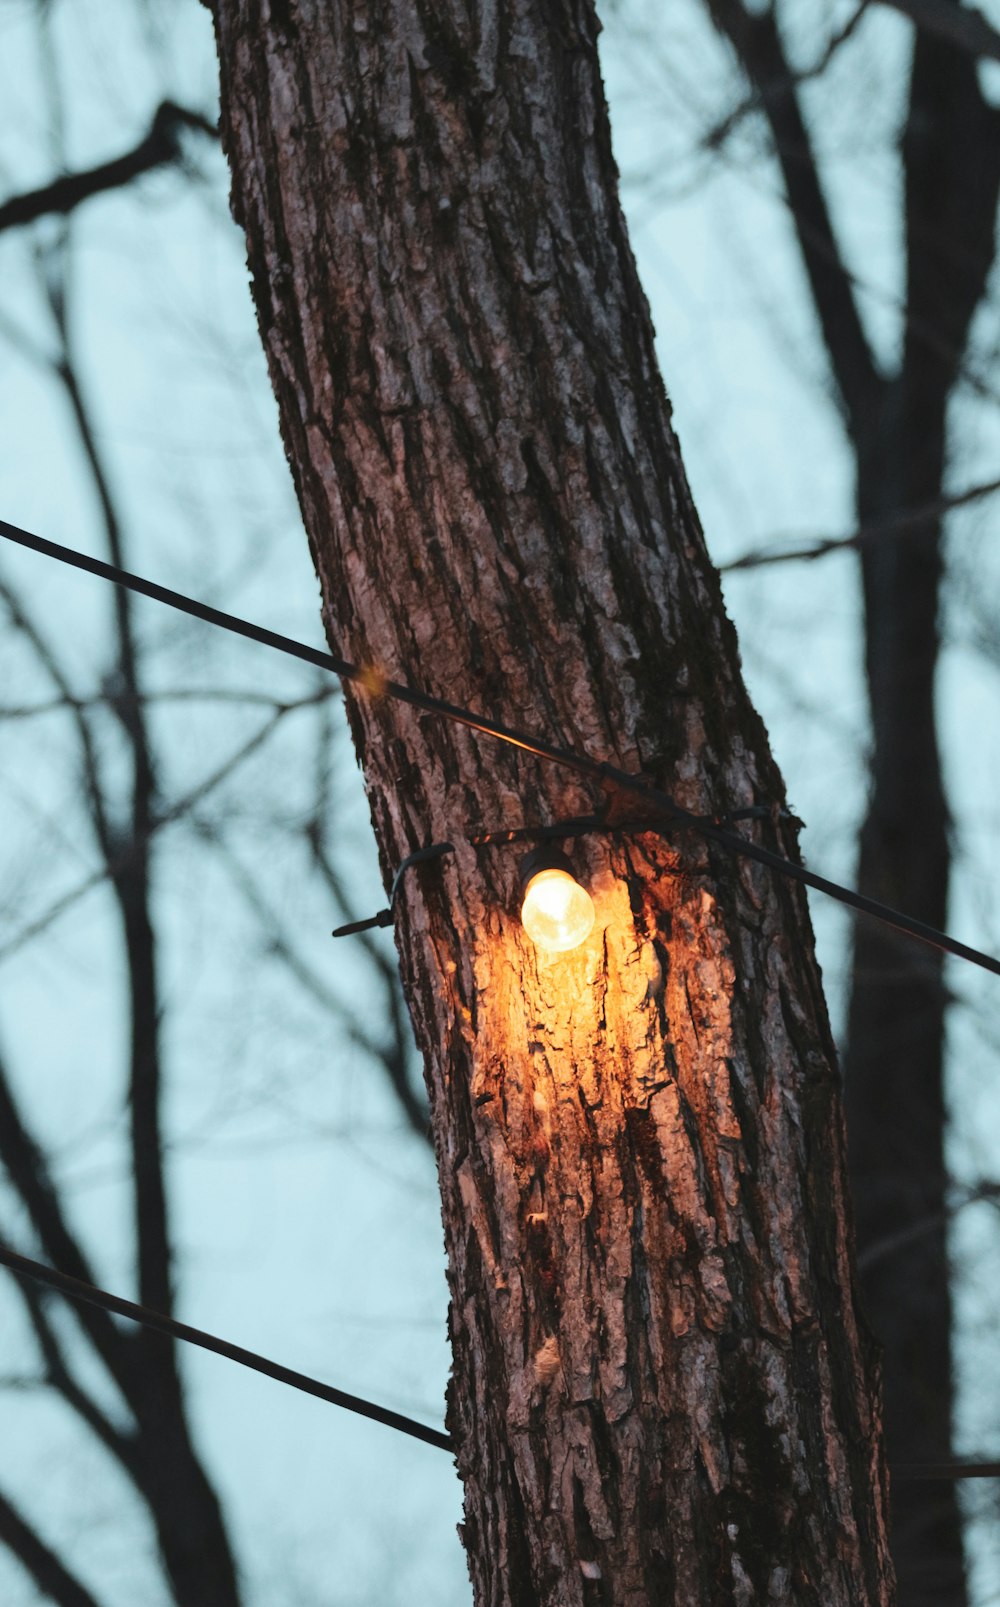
{"points": [[717, 136], [176, 811], [158, 1454], [959, 25], [756, 40], [46, 656], [391, 1057], [396, 1059], [128, 864], [53, 1579], [899, 525], [26, 1168], [881, 1249], [160, 147], [58, 1377], [128, 706], [757, 43], [97, 700]]}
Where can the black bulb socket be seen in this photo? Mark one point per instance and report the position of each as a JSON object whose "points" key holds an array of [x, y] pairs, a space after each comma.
{"points": [[544, 858]]}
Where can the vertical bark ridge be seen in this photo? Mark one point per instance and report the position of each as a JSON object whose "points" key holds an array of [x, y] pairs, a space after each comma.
{"points": [[661, 1391]]}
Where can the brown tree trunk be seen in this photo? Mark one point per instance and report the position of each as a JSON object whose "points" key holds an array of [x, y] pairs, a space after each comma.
{"points": [[661, 1390]]}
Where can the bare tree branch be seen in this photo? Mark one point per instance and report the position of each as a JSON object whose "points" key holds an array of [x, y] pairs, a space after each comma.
{"points": [[755, 38], [59, 1377], [176, 811], [100, 700], [899, 525], [130, 878], [26, 1168], [47, 657], [159, 1456], [396, 1058], [717, 136], [880, 1249], [50, 1575], [959, 25], [392, 1056], [924, 328], [159, 148]]}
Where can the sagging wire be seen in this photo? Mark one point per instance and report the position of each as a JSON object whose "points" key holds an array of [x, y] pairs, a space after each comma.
{"points": [[88, 1294], [663, 810], [75, 1289]]}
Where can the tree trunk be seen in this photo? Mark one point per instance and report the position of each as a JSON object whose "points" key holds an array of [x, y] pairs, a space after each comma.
{"points": [[895, 1051], [896, 1032], [897, 427], [662, 1391]]}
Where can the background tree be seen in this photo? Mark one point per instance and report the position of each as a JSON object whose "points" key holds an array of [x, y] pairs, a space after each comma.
{"points": [[146, 1432], [895, 416]]}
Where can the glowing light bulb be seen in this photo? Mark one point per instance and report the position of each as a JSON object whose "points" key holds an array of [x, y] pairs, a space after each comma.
{"points": [[557, 912]]}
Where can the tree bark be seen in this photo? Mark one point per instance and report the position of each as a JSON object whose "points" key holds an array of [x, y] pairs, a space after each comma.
{"points": [[662, 1391]]}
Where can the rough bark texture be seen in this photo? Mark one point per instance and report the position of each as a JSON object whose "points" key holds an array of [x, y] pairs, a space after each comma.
{"points": [[661, 1389]]}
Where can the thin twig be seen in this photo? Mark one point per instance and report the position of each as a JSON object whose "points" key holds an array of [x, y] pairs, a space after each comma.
{"points": [[176, 812], [900, 524], [716, 137]]}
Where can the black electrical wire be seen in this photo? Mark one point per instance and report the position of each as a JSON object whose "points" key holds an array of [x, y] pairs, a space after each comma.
{"points": [[577, 827], [604, 774], [369, 678], [76, 1289]]}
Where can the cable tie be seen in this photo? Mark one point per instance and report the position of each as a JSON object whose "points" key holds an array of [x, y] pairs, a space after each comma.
{"points": [[383, 918]]}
